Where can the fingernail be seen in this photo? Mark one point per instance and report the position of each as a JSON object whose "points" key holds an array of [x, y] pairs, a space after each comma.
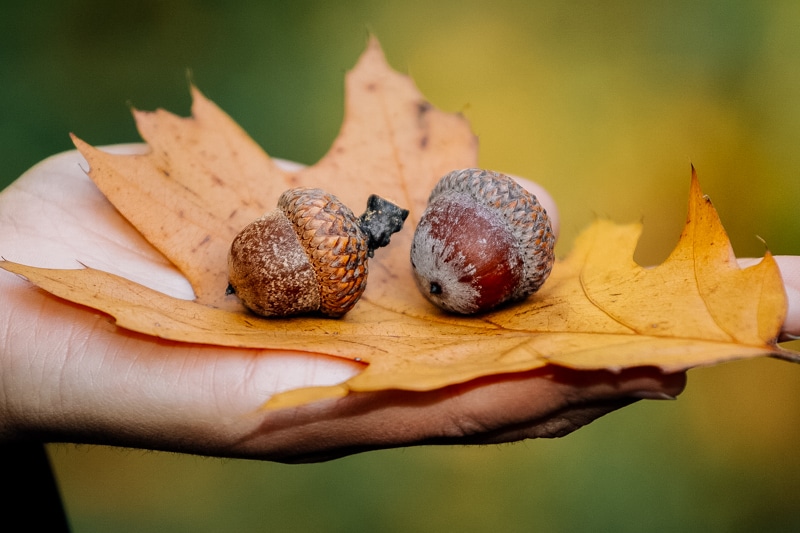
{"points": [[652, 395]]}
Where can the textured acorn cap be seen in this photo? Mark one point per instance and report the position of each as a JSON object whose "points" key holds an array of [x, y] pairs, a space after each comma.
{"points": [[334, 243], [526, 219]]}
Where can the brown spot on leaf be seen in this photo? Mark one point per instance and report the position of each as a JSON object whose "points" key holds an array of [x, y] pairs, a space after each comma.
{"points": [[423, 107]]}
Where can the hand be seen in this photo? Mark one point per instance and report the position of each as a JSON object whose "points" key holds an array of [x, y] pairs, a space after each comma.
{"points": [[68, 374]]}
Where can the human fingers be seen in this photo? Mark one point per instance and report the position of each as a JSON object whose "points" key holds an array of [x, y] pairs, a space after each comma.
{"points": [[543, 403], [789, 266]]}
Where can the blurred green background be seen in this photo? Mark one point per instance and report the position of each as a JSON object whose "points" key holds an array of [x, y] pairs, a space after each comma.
{"points": [[604, 103]]}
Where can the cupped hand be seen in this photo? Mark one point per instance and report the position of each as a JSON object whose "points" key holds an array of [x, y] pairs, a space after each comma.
{"points": [[68, 374]]}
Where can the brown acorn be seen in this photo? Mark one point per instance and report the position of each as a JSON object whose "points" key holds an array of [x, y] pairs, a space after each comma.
{"points": [[310, 254], [482, 241]]}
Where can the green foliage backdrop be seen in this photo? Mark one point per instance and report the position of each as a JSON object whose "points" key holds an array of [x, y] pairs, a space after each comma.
{"points": [[604, 103]]}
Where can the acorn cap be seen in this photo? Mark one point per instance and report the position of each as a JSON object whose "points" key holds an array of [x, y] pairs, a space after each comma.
{"points": [[336, 247], [525, 217]]}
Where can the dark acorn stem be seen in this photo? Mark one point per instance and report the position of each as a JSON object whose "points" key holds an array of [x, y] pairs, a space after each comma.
{"points": [[381, 219]]}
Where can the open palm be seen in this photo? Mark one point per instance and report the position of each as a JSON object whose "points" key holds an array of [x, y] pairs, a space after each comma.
{"points": [[69, 374]]}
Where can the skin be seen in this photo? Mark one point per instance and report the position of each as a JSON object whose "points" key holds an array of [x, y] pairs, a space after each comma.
{"points": [[68, 374]]}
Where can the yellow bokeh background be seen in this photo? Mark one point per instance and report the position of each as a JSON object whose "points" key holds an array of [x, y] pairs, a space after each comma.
{"points": [[606, 104]]}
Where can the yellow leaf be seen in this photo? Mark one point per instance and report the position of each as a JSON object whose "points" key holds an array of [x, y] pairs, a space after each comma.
{"points": [[204, 179]]}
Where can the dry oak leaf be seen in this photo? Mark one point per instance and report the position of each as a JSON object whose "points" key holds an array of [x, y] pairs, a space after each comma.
{"points": [[204, 179]]}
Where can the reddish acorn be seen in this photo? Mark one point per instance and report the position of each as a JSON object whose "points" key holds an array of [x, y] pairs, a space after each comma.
{"points": [[482, 241]]}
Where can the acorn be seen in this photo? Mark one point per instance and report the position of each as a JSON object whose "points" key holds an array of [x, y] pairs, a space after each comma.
{"points": [[310, 254], [482, 241]]}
